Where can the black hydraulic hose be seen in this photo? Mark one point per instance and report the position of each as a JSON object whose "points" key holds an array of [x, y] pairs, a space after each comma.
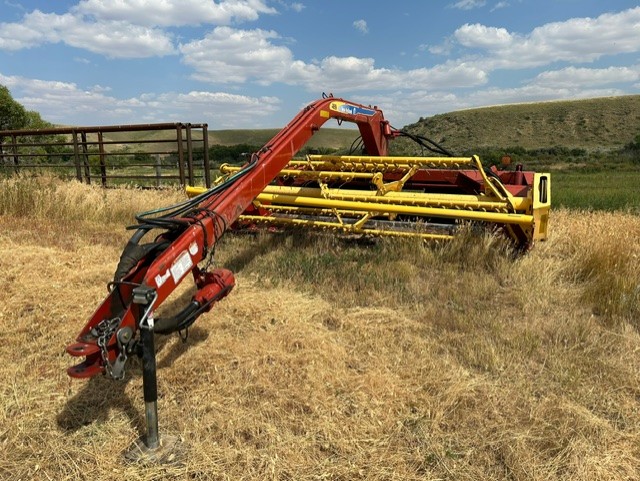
{"points": [[425, 141], [187, 316], [179, 322], [168, 218], [355, 145], [134, 252], [420, 140]]}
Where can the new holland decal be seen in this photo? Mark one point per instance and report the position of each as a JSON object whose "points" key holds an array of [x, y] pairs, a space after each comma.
{"points": [[350, 109]]}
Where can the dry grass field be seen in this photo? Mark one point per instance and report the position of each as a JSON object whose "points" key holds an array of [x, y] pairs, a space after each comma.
{"points": [[330, 360]]}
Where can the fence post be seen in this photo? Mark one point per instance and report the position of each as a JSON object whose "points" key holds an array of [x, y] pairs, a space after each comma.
{"points": [[76, 156], [205, 158], [103, 165], [85, 157], [189, 155], [158, 170], [180, 154], [16, 162]]}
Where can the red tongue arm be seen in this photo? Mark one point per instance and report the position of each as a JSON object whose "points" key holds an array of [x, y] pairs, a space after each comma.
{"points": [[159, 271]]}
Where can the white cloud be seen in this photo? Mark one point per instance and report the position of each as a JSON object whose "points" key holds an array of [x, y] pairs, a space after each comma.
{"points": [[109, 38], [499, 5], [229, 55], [570, 77], [404, 107], [15, 5], [63, 102], [174, 12], [361, 26], [445, 48], [222, 109], [124, 28], [535, 93], [480, 36], [359, 74], [468, 4], [574, 40]]}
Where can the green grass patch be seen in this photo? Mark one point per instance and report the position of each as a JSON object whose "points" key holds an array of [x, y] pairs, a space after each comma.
{"points": [[598, 190]]}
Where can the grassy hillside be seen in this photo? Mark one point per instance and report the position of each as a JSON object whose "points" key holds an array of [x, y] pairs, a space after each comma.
{"points": [[602, 123], [330, 138], [330, 360], [326, 137]]}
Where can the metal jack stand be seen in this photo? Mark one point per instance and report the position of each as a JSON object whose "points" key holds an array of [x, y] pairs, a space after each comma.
{"points": [[151, 449]]}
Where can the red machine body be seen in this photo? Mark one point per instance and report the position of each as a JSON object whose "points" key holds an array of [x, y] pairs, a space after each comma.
{"points": [[149, 273]]}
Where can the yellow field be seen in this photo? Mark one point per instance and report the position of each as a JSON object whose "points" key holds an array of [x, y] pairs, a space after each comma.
{"points": [[455, 362]]}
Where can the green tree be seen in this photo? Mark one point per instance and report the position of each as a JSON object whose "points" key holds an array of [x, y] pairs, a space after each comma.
{"points": [[34, 121], [12, 114]]}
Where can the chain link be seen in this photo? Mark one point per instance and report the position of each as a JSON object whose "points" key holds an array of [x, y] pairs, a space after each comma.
{"points": [[103, 331]]}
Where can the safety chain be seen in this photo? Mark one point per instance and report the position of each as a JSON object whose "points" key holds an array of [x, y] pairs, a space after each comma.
{"points": [[103, 331]]}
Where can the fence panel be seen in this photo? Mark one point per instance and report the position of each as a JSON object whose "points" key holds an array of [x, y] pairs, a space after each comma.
{"points": [[142, 154]]}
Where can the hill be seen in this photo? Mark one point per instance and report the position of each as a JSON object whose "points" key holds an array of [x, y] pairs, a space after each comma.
{"points": [[328, 138], [592, 124]]}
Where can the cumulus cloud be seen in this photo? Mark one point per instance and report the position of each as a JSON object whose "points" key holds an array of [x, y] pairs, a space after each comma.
{"points": [[574, 40], [174, 12], [361, 26], [65, 102], [109, 38], [126, 28], [229, 55], [569, 77], [480, 36]]}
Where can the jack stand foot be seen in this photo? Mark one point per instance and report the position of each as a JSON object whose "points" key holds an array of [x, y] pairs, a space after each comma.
{"points": [[169, 451]]}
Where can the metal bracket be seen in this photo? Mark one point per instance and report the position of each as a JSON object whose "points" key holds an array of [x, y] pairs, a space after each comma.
{"points": [[145, 295]]}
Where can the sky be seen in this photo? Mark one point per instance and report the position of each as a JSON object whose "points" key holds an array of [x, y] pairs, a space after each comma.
{"points": [[255, 63]]}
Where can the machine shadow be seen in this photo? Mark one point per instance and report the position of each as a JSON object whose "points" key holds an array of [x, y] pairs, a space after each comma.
{"points": [[259, 245], [264, 242], [101, 394]]}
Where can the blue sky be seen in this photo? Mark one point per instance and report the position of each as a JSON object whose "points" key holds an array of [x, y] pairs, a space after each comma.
{"points": [[255, 63]]}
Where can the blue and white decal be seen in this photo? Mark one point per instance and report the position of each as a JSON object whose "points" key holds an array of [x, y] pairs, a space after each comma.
{"points": [[349, 109]]}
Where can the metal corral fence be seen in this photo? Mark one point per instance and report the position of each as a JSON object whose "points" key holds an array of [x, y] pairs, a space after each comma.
{"points": [[165, 153]]}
